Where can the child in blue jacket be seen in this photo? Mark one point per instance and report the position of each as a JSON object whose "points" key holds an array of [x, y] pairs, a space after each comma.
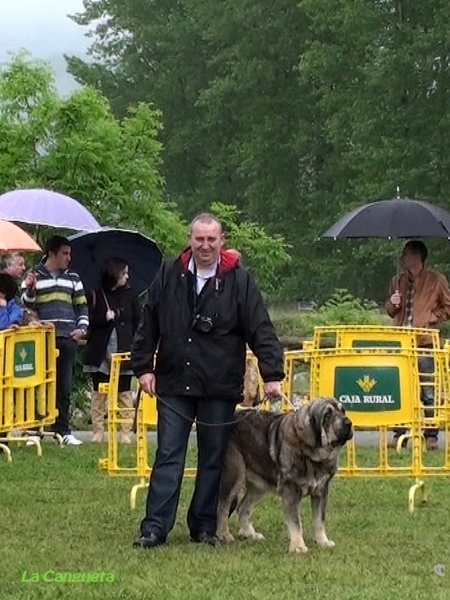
{"points": [[10, 312]]}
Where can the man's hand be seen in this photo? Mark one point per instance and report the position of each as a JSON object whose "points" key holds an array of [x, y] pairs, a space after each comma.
{"points": [[30, 281], [396, 299], [272, 389], [148, 383], [77, 335]]}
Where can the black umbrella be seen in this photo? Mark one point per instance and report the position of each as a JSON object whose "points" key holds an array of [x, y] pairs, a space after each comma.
{"points": [[396, 218], [89, 251]]}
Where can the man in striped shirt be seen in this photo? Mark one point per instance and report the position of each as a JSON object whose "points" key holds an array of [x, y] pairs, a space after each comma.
{"points": [[57, 296]]}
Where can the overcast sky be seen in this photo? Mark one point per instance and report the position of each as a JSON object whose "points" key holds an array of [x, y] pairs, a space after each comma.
{"points": [[43, 28]]}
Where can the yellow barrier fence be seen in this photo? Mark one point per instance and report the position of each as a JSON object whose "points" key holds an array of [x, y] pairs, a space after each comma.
{"points": [[377, 373], [27, 383], [145, 419]]}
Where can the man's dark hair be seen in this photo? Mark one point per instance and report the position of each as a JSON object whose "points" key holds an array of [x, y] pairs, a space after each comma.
{"points": [[110, 272], [417, 247], [8, 286], [55, 243]]}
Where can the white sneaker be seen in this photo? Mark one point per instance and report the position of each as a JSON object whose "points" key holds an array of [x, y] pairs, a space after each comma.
{"points": [[33, 440], [70, 440]]}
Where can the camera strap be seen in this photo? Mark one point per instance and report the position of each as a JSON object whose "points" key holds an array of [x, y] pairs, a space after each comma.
{"points": [[199, 299]]}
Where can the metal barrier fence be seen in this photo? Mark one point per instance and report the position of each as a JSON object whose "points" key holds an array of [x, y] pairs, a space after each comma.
{"points": [[27, 383], [379, 374]]}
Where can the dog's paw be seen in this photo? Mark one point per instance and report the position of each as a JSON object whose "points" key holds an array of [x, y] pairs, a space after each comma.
{"points": [[325, 543], [227, 538], [250, 534], [297, 549]]}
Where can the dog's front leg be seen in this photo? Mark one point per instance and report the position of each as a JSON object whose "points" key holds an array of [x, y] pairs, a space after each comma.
{"points": [[318, 509], [291, 504]]}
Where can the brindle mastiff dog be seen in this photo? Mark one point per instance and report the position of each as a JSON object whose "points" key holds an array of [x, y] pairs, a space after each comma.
{"points": [[294, 454]]}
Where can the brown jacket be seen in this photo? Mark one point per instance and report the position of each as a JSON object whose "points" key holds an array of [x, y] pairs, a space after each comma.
{"points": [[431, 299]]}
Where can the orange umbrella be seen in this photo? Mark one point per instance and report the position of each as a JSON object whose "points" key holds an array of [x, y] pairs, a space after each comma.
{"points": [[15, 239]]}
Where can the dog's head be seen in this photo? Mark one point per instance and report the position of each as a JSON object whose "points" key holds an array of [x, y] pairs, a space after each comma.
{"points": [[322, 423]]}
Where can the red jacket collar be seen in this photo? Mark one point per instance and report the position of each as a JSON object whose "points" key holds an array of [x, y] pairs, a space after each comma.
{"points": [[228, 261]]}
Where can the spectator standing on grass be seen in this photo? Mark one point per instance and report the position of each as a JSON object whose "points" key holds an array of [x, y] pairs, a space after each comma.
{"points": [[57, 295], [419, 297], [114, 314]]}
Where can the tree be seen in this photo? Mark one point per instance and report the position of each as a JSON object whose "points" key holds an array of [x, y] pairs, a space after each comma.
{"points": [[234, 127], [265, 255], [292, 112], [78, 147]]}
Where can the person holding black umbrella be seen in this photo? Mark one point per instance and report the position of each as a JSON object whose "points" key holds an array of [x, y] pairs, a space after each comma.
{"points": [[114, 314], [419, 297]]}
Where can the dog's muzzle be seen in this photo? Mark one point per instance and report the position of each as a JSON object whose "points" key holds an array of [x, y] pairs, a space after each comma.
{"points": [[347, 430]]}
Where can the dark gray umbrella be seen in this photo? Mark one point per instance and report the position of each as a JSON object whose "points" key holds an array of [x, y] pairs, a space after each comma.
{"points": [[396, 218], [90, 250]]}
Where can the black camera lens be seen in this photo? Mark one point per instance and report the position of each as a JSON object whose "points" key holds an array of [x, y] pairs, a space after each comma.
{"points": [[203, 324]]}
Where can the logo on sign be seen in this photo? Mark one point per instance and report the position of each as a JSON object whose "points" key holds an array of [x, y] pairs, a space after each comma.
{"points": [[24, 359], [366, 383]]}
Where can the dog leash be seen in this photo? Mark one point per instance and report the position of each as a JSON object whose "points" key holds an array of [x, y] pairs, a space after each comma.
{"points": [[203, 423]]}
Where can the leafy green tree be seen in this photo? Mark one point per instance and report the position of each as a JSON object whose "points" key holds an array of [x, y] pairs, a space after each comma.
{"points": [[224, 76], [295, 113], [76, 146], [265, 255]]}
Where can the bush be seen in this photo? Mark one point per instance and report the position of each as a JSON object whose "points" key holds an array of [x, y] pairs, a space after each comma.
{"points": [[341, 309]]}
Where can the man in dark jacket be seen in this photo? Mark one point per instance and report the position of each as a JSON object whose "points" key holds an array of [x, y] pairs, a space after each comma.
{"points": [[200, 312]]}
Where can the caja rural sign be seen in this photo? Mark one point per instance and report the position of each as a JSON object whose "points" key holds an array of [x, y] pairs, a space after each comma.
{"points": [[368, 389]]}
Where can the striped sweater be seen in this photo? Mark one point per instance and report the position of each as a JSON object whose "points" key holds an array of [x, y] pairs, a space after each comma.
{"points": [[59, 299]]}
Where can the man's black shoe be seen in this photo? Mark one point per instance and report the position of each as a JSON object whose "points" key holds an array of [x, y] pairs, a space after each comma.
{"points": [[205, 538], [150, 541]]}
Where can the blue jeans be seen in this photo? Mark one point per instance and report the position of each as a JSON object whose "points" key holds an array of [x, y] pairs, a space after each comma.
{"points": [[65, 364], [426, 366], [175, 418]]}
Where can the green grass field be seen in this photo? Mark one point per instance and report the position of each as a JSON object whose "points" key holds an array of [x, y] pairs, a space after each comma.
{"points": [[60, 513]]}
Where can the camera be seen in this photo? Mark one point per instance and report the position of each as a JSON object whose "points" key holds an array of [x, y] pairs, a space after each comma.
{"points": [[202, 323]]}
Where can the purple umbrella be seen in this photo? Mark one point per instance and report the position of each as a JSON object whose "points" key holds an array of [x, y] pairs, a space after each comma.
{"points": [[44, 207]]}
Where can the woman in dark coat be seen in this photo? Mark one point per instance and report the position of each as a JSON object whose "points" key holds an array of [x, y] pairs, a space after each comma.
{"points": [[114, 314]]}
